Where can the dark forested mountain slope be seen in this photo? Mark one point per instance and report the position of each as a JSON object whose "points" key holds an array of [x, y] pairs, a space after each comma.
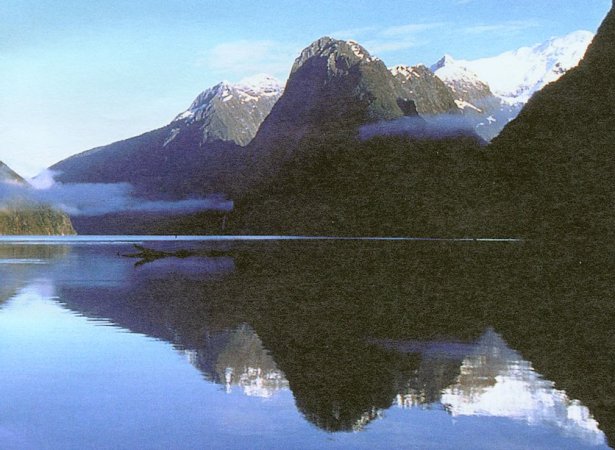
{"points": [[555, 163]]}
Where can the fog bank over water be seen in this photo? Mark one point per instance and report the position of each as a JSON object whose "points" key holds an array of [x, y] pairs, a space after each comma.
{"points": [[94, 199]]}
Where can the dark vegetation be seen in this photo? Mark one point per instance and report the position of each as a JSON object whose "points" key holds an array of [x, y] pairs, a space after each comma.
{"points": [[387, 186], [34, 219], [556, 159]]}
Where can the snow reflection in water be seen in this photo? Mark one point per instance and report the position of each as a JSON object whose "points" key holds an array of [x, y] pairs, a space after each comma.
{"points": [[495, 381]]}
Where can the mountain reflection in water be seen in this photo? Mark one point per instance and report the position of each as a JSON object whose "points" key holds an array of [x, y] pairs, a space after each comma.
{"points": [[492, 380], [356, 328]]}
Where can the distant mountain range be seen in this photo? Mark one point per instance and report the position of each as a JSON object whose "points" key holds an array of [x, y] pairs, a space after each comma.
{"points": [[344, 121]]}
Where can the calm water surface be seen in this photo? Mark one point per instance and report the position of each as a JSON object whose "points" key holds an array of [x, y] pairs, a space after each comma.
{"points": [[305, 344]]}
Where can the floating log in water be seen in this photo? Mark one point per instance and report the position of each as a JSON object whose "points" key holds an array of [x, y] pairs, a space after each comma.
{"points": [[148, 255]]}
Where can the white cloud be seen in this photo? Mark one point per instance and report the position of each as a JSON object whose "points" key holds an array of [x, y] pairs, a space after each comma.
{"points": [[238, 59], [509, 27], [411, 28], [384, 46], [389, 39], [353, 33]]}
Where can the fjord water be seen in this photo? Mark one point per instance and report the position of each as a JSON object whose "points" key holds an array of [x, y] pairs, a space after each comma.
{"points": [[305, 344]]}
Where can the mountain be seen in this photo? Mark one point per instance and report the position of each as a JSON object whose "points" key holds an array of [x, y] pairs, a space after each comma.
{"points": [[230, 112], [334, 86], [192, 155], [555, 161], [465, 84], [315, 169], [492, 91], [310, 168], [20, 215], [8, 175], [486, 112]]}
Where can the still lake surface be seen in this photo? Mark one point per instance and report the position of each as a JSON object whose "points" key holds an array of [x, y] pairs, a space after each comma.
{"points": [[305, 344]]}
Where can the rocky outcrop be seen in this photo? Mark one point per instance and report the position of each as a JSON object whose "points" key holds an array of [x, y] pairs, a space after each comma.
{"points": [[230, 112], [428, 92]]}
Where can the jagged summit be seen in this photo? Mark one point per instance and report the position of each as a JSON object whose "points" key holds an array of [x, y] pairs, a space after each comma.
{"points": [[491, 91], [230, 112], [334, 50], [190, 156], [446, 60], [407, 71], [333, 85], [464, 82], [251, 89]]}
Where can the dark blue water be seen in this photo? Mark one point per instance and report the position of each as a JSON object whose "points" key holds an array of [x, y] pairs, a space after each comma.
{"points": [[304, 344]]}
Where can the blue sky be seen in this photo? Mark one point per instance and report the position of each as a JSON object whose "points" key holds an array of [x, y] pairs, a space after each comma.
{"points": [[78, 74]]}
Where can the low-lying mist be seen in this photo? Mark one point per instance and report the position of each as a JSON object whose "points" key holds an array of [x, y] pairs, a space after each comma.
{"points": [[441, 126], [95, 199]]}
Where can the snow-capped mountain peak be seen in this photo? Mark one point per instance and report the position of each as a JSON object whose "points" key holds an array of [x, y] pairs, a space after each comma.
{"points": [[493, 90], [446, 60], [231, 112], [250, 89], [515, 75], [449, 69]]}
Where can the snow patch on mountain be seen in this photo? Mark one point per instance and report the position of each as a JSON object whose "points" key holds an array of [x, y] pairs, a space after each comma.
{"points": [[360, 51], [406, 71], [260, 85]]}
